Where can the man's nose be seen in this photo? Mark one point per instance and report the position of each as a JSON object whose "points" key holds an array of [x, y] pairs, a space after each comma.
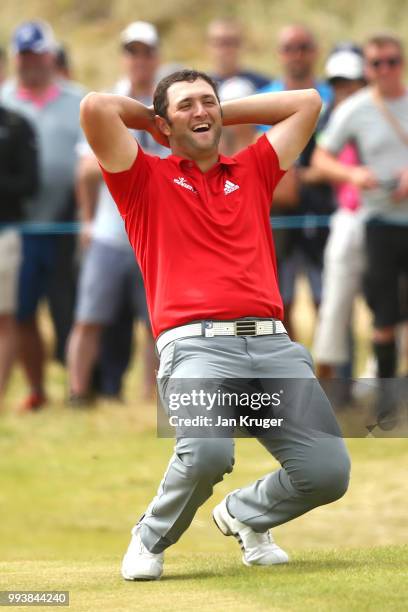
{"points": [[199, 109]]}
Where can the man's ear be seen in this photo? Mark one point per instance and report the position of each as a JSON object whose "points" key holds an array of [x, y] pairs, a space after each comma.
{"points": [[162, 125]]}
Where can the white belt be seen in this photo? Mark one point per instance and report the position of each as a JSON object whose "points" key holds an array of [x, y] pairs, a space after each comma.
{"points": [[209, 329]]}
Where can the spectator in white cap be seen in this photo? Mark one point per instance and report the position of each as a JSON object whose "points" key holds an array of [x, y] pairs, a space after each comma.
{"points": [[344, 252], [140, 45], [111, 292], [345, 71], [236, 137]]}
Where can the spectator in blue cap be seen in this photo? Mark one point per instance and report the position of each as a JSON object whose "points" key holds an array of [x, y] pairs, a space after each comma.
{"points": [[47, 266]]}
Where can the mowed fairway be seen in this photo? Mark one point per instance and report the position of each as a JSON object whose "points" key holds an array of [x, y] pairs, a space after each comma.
{"points": [[73, 484]]}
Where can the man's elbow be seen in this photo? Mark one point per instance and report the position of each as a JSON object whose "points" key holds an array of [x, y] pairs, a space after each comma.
{"points": [[314, 101], [92, 105]]}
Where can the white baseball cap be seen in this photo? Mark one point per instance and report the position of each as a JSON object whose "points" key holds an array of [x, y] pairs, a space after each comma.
{"points": [[140, 31], [345, 64], [235, 87]]}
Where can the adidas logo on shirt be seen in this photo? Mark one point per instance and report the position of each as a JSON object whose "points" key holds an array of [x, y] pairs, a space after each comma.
{"points": [[229, 187]]}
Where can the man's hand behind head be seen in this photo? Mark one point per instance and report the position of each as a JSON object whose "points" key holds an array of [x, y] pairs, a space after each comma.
{"points": [[157, 134]]}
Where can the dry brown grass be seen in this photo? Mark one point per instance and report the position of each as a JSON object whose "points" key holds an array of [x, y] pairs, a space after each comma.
{"points": [[91, 28]]}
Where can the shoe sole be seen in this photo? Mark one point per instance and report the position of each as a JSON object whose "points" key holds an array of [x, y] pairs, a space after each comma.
{"points": [[218, 520], [142, 578]]}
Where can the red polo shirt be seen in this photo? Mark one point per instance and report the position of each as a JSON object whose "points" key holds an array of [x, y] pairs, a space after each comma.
{"points": [[203, 240]]}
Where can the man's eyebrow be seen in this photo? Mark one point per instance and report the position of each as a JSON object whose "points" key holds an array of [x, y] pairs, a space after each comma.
{"points": [[189, 98]]}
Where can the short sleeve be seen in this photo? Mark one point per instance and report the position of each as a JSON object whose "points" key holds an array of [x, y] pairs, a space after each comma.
{"points": [[265, 162], [129, 187]]}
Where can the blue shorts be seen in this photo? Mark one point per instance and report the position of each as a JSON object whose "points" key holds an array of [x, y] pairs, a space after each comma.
{"points": [[39, 260]]}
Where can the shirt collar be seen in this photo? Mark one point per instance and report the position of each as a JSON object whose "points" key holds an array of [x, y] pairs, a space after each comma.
{"points": [[50, 94], [182, 162]]}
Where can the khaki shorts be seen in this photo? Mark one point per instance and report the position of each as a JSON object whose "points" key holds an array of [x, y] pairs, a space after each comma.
{"points": [[10, 259]]}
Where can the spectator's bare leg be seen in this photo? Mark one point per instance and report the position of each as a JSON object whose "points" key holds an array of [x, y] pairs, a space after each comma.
{"points": [[8, 348], [83, 351], [324, 370], [32, 354]]}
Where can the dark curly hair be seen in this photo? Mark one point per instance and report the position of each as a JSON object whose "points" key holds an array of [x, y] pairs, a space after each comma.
{"points": [[160, 99]]}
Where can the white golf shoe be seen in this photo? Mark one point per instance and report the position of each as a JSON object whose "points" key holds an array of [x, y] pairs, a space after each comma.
{"points": [[138, 562], [258, 548]]}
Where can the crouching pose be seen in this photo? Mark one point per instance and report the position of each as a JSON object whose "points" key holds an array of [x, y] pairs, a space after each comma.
{"points": [[199, 225]]}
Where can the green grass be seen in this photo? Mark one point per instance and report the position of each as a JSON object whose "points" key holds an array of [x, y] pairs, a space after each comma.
{"points": [[349, 580], [73, 484]]}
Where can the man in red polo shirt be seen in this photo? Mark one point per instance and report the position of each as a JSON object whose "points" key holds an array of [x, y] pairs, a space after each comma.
{"points": [[199, 225]]}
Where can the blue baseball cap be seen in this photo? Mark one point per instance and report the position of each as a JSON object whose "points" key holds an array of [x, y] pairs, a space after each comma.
{"points": [[34, 36]]}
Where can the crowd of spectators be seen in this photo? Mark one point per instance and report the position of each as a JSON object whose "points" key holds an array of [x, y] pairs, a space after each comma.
{"points": [[351, 180]]}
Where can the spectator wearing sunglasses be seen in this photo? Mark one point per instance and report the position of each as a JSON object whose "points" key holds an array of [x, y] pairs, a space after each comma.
{"points": [[376, 119], [225, 41], [302, 190]]}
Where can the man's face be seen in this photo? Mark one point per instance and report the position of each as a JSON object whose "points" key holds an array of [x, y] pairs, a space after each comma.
{"points": [[343, 88], [140, 62], [297, 53], [224, 46], [34, 69], [384, 65], [194, 118]]}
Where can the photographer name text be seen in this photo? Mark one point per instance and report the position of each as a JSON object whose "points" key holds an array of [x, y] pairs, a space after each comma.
{"points": [[241, 421]]}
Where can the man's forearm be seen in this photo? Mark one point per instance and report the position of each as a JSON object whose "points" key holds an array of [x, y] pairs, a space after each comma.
{"points": [[87, 188], [331, 168], [134, 114], [105, 119], [268, 108]]}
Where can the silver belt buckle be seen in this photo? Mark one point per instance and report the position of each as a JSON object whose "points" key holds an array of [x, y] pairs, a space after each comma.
{"points": [[209, 331], [245, 328]]}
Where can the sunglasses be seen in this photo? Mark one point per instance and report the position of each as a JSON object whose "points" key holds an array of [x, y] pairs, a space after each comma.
{"points": [[391, 62], [301, 47]]}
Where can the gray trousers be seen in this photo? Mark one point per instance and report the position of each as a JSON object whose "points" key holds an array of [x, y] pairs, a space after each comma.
{"points": [[314, 461]]}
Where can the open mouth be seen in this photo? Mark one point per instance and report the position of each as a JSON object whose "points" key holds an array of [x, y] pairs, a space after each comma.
{"points": [[201, 127]]}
